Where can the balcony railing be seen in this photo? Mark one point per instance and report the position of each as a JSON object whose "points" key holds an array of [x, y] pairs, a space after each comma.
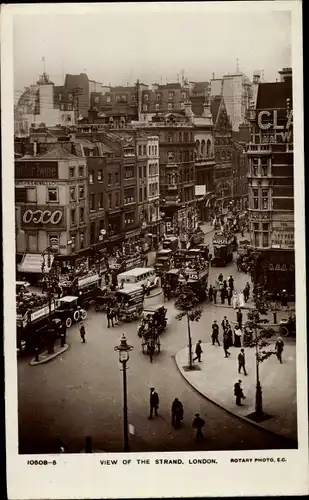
{"points": [[259, 148]]}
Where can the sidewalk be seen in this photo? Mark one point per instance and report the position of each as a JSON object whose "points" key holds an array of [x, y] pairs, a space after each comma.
{"points": [[215, 381]]}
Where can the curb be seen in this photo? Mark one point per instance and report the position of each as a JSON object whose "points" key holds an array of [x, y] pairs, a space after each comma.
{"points": [[241, 417], [50, 357]]}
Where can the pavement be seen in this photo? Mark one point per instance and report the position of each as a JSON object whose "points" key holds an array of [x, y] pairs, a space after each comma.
{"points": [[217, 375]]}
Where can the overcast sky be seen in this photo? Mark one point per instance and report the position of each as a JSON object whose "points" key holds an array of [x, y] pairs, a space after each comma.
{"points": [[152, 43]]}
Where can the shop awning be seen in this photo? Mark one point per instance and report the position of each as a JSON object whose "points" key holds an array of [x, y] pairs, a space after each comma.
{"points": [[32, 263]]}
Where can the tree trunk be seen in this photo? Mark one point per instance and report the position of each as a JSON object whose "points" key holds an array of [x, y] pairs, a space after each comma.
{"points": [[190, 343]]}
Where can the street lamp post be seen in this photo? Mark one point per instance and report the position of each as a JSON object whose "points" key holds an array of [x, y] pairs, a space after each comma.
{"points": [[48, 252], [123, 349]]}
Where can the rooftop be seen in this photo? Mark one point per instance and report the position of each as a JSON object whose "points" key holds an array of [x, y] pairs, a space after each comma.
{"points": [[274, 95]]}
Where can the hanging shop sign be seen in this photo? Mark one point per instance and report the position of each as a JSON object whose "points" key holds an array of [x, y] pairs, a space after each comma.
{"points": [[36, 170], [42, 216]]}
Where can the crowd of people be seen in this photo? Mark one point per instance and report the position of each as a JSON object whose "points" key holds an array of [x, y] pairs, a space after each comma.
{"points": [[225, 290]]}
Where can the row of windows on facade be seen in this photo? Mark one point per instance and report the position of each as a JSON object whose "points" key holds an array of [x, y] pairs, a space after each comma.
{"points": [[171, 96], [183, 176], [179, 137], [261, 200], [99, 177], [181, 156], [152, 150], [52, 194], [203, 149], [157, 107]]}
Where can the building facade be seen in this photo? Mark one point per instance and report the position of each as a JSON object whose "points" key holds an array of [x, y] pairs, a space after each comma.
{"points": [[223, 172], [236, 90], [271, 183], [51, 193]]}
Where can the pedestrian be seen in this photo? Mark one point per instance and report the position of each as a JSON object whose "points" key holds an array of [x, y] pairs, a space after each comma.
{"points": [[242, 361], [229, 334], [239, 318], [110, 316], [229, 294], [226, 345], [154, 402], [231, 283], [237, 336], [241, 299], [222, 295], [215, 291], [215, 333], [198, 351], [224, 323], [246, 294], [284, 298], [238, 392], [225, 286], [220, 277], [82, 332], [148, 287], [235, 300], [198, 424], [279, 349], [210, 293], [177, 413]]}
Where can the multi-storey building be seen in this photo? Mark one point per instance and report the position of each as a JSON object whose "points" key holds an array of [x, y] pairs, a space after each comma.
{"points": [[236, 89], [223, 173], [51, 192], [39, 104], [204, 153], [177, 169], [153, 166], [271, 189], [162, 99]]}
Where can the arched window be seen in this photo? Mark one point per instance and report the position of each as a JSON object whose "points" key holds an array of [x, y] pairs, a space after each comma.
{"points": [[208, 148], [198, 148], [203, 148]]}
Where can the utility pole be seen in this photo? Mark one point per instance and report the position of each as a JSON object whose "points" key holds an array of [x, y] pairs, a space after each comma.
{"points": [[76, 93]]}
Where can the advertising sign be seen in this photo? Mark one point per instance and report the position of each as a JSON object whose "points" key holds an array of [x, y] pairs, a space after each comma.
{"points": [[36, 170], [42, 215], [200, 190], [283, 236], [40, 313]]}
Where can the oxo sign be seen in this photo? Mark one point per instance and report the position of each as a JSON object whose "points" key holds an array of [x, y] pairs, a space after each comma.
{"points": [[38, 216]]}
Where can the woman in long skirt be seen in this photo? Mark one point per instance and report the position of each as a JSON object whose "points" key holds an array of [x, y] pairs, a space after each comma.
{"points": [[237, 336], [241, 299], [235, 300]]}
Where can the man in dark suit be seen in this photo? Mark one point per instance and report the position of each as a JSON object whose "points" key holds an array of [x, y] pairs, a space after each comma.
{"points": [[154, 402]]}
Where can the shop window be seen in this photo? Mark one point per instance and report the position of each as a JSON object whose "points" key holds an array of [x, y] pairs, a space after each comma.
{"points": [[100, 175], [52, 195]]}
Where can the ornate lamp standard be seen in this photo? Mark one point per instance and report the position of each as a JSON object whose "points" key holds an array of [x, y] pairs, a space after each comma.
{"points": [[123, 349], [48, 253]]}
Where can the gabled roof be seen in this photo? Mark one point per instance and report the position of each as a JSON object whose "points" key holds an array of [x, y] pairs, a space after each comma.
{"points": [[274, 95]]}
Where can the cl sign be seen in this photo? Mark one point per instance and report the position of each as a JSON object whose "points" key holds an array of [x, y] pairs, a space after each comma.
{"points": [[274, 123], [42, 217]]}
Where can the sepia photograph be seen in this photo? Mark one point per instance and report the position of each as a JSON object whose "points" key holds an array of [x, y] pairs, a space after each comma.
{"points": [[156, 202]]}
